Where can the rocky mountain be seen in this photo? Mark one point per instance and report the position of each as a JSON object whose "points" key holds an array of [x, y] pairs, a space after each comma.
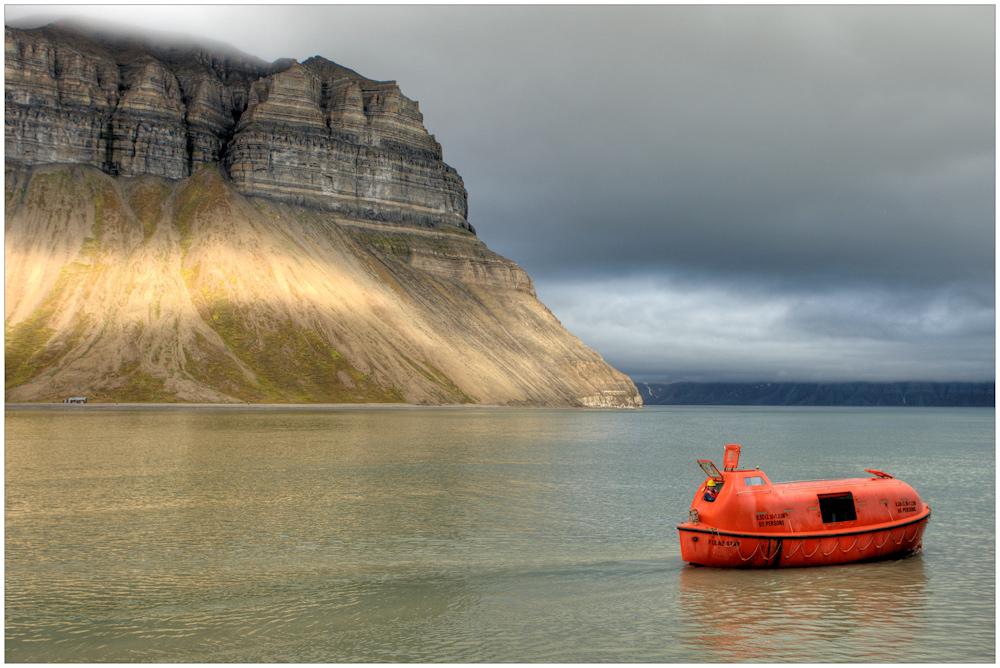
{"points": [[312, 133], [820, 394], [191, 224]]}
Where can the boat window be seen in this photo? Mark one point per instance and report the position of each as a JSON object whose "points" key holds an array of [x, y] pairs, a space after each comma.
{"points": [[753, 480], [837, 507]]}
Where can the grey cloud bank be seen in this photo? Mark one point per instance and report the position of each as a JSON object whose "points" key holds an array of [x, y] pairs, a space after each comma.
{"points": [[701, 192], [709, 331]]}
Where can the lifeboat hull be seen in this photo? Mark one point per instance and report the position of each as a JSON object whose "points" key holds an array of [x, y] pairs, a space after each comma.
{"points": [[740, 519], [707, 546]]}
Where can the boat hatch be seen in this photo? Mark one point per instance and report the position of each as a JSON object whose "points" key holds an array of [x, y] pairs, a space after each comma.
{"points": [[709, 468], [732, 458], [837, 507]]}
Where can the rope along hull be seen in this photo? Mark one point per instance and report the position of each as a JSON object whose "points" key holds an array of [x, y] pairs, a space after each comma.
{"points": [[707, 546]]}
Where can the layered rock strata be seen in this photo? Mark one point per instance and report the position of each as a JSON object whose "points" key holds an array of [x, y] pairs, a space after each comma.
{"points": [[311, 133]]}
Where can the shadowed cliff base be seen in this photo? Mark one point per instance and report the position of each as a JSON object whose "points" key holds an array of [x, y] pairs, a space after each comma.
{"points": [[914, 394], [150, 289]]}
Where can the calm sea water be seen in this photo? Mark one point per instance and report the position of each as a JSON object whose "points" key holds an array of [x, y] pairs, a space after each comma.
{"points": [[470, 535]]}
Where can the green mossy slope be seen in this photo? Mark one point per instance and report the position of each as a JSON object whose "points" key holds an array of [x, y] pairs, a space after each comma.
{"points": [[146, 289]]}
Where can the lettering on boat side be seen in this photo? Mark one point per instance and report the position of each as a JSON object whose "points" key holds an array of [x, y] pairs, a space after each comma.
{"points": [[724, 543], [906, 506], [771, 519]]}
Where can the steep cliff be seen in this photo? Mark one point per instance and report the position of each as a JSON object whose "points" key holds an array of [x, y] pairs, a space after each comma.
{"points": [[189, 226], [310, 133]]}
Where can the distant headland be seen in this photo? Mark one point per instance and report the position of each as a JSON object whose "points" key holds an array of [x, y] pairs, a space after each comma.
{"points": [[819, 394]]}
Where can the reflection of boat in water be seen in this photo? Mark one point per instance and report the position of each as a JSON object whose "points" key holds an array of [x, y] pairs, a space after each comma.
{"points": [[741, 519], [857, 613]]}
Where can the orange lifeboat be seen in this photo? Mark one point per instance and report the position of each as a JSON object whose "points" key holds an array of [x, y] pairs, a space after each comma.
{"points": [[740, 519]]}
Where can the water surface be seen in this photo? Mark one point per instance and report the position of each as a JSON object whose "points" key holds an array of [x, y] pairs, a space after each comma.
{"points": [[470, 535]]}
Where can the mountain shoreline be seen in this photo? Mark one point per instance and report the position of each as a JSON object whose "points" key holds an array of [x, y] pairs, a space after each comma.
{"points": [[180, 406]]}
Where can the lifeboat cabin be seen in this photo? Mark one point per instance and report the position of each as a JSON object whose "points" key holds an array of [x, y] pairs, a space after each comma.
{"points": [[740, 519]]}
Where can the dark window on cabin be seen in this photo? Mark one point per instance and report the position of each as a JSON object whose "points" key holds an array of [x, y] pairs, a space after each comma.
{"points": [[837, 508]]}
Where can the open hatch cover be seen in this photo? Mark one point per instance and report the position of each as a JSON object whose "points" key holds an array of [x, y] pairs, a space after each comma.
{"points": [[709, 468]]}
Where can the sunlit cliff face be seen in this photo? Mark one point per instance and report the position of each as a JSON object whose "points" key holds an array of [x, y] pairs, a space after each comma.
{"points": [[151, 289]]}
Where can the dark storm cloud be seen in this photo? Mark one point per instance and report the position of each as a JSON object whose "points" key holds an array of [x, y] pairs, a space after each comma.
{"points": [[733, 145], [830, 169]]}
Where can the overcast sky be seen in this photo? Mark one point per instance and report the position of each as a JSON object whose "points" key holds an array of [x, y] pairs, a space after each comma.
{"points": [[700, 192]]}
